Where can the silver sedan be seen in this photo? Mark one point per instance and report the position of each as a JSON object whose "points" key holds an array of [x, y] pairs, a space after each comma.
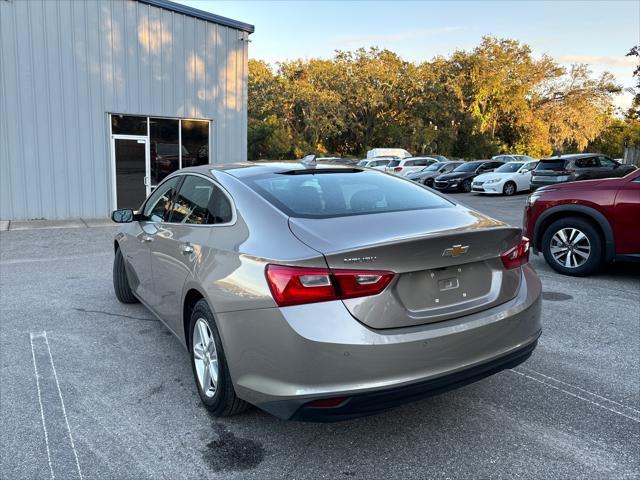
{"points": [[325, 292]]}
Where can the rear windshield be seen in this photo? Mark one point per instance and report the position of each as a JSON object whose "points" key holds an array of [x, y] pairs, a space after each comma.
{"points": [[433, 167], [551, 165], [509, 167], [467, 167], [393, 163], [327, 195]]}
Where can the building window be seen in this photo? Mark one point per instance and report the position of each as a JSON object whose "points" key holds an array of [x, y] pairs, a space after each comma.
{"points": [[128, 125], [145, 150], [195, 140], [164, 148]]}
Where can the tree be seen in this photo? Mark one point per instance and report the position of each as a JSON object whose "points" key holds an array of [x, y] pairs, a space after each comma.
{"points": [[495, 98]]}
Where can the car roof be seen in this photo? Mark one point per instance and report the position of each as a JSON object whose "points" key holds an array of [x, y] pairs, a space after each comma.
{"points": [[571, 156], [245, 169]]}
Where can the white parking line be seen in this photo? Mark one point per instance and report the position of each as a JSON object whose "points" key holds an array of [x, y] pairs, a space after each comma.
{"points": [[578, 388], [637, 420], [52, 408], [19, 261], [44, 425]]}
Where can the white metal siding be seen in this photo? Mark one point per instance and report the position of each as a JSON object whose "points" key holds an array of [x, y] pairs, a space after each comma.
{"points": [[65, 64]]}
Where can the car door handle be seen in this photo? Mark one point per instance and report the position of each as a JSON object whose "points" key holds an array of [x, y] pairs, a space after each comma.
{"points": [[147, 238], [186, 249]]}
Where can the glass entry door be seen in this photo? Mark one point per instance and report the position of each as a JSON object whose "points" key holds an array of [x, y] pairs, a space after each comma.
{"points": [[131, 164]]}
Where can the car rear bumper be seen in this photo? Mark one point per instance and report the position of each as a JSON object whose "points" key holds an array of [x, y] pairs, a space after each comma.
{"points": [[281, 359], [543, 181], [377, 401]]}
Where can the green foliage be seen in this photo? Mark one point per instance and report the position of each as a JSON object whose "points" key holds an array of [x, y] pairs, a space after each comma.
{"points": [[495, 98]]}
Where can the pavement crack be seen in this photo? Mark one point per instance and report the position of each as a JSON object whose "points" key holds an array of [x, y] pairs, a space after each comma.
{"points": [[122, 315]]}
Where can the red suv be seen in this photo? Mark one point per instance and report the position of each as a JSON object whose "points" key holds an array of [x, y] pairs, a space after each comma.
{"points": [[580, 225]]}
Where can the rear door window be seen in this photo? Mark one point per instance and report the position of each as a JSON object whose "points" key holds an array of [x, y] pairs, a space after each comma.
{"points": [[393, 163], [327, 195], [589, 162]]}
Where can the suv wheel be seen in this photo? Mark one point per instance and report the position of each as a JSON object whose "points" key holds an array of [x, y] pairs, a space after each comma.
{"points": [[509, 189], [209, 365], [572, 246]]}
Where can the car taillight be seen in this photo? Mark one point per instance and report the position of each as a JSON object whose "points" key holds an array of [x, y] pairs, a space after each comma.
{"points": [[516, 256], [300, 285], [397, 169]]}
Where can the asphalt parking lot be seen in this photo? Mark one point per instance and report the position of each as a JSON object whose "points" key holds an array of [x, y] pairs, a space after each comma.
{"points": [[115, 393]]}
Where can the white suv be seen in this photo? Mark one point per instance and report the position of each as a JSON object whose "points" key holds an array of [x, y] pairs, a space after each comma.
{"points": [[404, 166]]}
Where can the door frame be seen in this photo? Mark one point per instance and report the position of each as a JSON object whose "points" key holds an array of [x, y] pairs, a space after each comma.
{"points": [[147, 164]]}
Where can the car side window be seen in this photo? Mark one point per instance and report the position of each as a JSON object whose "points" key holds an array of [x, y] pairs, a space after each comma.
{"points": [[606, 162], [158, 206], [200, 202], [588, 162]]}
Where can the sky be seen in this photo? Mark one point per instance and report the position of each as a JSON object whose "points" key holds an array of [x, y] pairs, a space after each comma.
{"points": [[598, 33]]}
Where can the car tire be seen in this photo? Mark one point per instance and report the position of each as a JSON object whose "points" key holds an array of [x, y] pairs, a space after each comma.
{"points": [[121, 286], [428, 182], [466, 186], [220, 399], [556, 252], [509, 189]]}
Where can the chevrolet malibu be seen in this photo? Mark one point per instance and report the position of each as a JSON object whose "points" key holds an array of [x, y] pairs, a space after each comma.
{"points": [[326, 292]]}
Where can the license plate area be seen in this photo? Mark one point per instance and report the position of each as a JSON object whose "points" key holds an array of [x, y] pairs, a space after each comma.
{"points": [[448, 287]]}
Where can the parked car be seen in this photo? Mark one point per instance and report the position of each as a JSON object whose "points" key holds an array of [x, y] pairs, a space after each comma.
{"points": [[461, 177], [513, 158], [428, 174], [579, 166], [579, 226], [404, 166], [288, 294], [507, 179], [378, 163]]}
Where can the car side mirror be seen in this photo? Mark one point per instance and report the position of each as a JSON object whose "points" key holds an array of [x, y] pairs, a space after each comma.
{"points": [[122, 215]]}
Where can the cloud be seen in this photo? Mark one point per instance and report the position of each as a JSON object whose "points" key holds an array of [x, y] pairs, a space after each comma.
{"points": [[403, 36], [606, 61]]}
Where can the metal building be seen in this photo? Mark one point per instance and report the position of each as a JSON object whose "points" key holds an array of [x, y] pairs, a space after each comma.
{"points": [[100, 100]]}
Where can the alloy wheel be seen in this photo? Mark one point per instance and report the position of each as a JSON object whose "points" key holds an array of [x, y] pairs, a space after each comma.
{"points": [[205, 358], [570, 247], [509, 189]]}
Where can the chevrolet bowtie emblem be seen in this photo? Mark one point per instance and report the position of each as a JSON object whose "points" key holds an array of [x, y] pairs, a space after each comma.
{"points": [[455, 251]]}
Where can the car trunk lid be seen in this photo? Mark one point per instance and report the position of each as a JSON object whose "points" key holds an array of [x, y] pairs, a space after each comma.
{"points": [[446, 260]]}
